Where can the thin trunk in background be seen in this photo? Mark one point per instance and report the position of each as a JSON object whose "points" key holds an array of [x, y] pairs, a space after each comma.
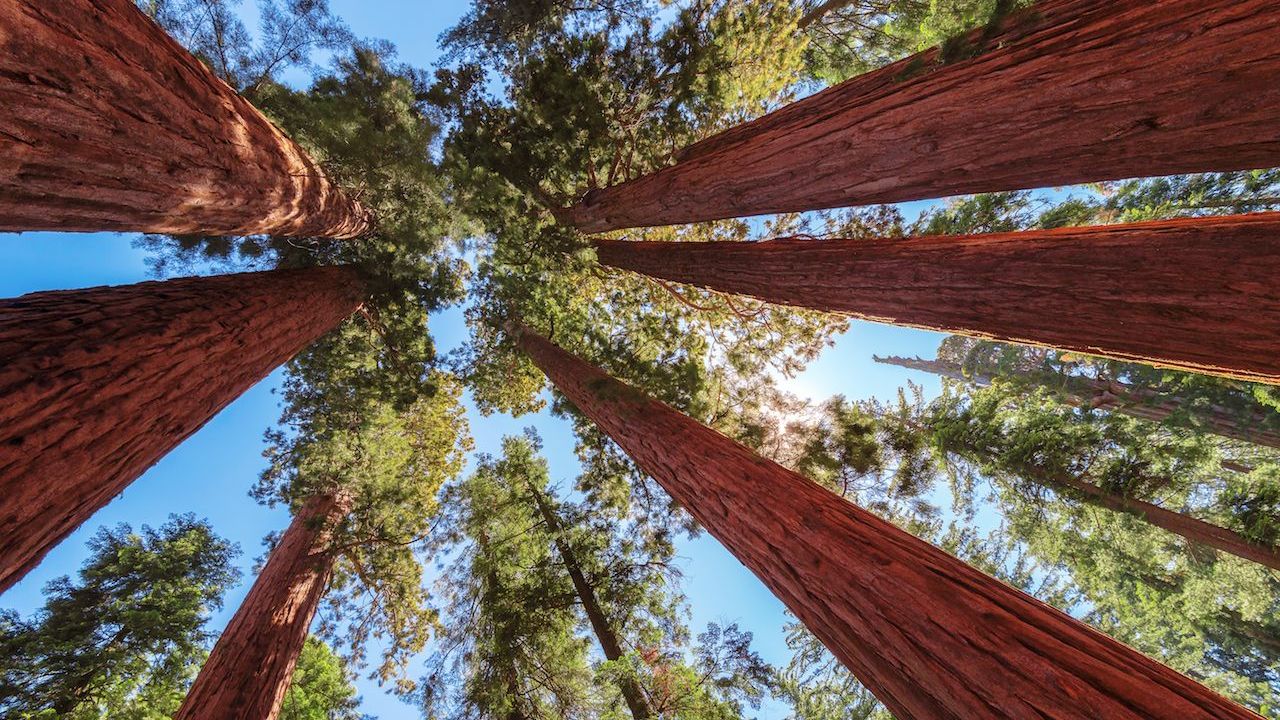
{"points": [[1115, 396], [1195, 294], [610, 644]]}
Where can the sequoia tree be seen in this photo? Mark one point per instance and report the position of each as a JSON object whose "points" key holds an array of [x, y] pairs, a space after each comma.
{"points": [[926, 633], [1053, 287], [1068, 91], [364, 462], [100, 383], [248, 672], [111, 125]]}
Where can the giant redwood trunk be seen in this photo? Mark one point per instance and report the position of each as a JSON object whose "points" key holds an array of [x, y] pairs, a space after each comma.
{"points": [[930, 636], [109, 124], [1115, 396], [1066, 91], [99, 384], [609, 641], [248, 672], [1194, 294]]}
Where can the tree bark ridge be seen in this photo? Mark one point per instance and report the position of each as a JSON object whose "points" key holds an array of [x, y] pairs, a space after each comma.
{"points": [[110, 124]]}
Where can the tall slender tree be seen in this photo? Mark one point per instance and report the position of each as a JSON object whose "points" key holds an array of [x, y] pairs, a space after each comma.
{"points": [[100, 383], [829, 560], [529, 563], [1107, 462], [837, 148], [114, 126], [1245, 419], [510, 647], [609, 641]]}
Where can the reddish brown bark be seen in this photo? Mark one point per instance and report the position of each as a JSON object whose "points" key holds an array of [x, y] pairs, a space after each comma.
{"points": [[109, 124], [99, 384], [929, 635], [1064, 92], [1114, 396], [248, 672], [1194, 294]]}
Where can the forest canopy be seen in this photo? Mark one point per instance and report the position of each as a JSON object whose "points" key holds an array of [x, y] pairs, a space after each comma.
{"points": [[434, 552]]}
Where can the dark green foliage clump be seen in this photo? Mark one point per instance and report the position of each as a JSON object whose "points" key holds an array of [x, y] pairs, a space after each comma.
{"points": [[125, 637]]}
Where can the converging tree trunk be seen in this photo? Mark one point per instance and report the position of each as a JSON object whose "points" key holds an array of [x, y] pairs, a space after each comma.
{"points": [[1113, 395], [1195, 294], [99, 384], [248, 672], [1196, 531], [109, 124], [610, 644], [1063, 92], [930, 636]]}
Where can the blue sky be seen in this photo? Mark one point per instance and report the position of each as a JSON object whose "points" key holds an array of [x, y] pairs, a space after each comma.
{"points": [[211, 473]]}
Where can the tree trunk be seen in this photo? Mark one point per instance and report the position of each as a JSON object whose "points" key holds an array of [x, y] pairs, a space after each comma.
{"points": [[1194, 294], [820, 10], [109, 124], [930, 636], [1064, 92], [99, 384], [248, 672], [609, 642], [1196, 531], [1126, 399]]}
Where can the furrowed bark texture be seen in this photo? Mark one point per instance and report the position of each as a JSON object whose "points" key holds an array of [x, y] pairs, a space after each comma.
{"points": [[1064, 92], [1194, 294], [109, 124], [1113, 396], [930, 636], [99, 384], [248, 672]]}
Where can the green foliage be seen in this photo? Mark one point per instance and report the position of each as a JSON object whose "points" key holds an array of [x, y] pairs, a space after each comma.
{"points": [[520, 629], [1208, 614], [125, 638], [391, 462], [599, 92], [290, 32], [510, 646], [321, 688], [851, 38]]}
